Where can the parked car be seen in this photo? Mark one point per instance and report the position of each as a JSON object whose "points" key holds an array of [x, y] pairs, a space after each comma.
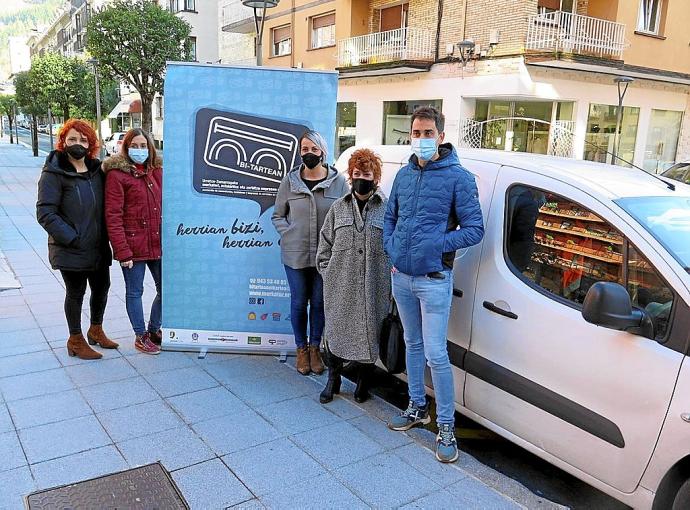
{"points": [[113, 143], [56, 129], [679, 172], [570, 325], [42, 128]]}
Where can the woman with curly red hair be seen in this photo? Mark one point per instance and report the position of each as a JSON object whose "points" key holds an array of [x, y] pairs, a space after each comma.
{"points": [[70, 208], [356, 275]]}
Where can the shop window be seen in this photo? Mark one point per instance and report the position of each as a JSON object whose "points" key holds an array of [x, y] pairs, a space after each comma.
{"points": [[601, 134], [346, 115], [563, 248], [323, 31], [281, 41], [662, 140], [649, 17], [396, 119]]}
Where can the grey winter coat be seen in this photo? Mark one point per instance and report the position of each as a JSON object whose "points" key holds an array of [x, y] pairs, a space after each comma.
{"points": [[299, 214], [356, 277]]}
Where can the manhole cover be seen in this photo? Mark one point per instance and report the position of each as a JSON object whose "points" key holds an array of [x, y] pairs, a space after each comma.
{"points": [[148, 487]]}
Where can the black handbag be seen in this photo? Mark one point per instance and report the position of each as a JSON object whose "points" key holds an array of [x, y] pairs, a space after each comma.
{"points": [[392, 342]]}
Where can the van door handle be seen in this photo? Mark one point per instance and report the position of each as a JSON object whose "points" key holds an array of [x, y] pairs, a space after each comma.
{"points": [[457, 292], [500, 311]]}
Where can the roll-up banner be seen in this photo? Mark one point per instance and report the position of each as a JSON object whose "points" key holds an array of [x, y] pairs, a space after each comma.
{"points": [[231, 135]]}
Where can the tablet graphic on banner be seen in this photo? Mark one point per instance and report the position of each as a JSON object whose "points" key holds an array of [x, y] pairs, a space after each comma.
{"points": [[231, 136], [243, 156]]}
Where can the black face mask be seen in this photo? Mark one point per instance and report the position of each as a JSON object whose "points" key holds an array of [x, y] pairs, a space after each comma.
{"points": [[363, 186], [77, 151], [311, 160]]}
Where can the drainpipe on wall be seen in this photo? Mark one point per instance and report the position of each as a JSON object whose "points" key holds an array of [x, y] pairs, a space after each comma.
{"points": [[438, 29], [292, 34]]}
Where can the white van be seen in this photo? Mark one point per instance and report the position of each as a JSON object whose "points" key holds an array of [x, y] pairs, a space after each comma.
{"points": [[571, 320]]}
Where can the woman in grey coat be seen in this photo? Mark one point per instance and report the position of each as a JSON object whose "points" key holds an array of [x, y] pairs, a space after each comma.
{"points": [[304, 197], [356, 275]]}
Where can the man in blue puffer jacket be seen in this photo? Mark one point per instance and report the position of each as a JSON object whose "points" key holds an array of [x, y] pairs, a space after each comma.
{"points": [[433, 211]]}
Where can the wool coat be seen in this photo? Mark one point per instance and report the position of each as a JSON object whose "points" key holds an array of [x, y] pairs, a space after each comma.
{"points": [[356, 277], [70, 208], [133, 203]]}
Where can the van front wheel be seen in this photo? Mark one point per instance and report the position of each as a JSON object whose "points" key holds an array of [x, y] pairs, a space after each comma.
{"points": [[682, 499]]}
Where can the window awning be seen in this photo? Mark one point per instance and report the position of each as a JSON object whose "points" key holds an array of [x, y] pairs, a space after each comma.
{"points": [[125, 106]]}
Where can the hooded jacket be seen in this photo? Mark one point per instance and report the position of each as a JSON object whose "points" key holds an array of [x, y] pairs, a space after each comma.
{"points": [[70, 208], [299, 214], [432, 212], [133, 203]]}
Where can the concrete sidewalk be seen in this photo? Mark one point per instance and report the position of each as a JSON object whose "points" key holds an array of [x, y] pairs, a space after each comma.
{"points": [[235, 431]]}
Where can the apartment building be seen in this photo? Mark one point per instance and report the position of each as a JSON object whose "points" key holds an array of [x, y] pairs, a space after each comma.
{"points": [[530, 75]]}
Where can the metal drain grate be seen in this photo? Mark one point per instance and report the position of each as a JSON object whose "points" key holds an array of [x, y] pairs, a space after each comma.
{"points": [[145, 487]]}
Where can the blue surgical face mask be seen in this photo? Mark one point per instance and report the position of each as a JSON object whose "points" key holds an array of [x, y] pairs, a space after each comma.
{"points": [[424, 148], [138, 155]]}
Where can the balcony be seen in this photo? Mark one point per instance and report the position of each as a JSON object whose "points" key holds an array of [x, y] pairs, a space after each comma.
{"points": [[564, 32], [394, 51], [237, 18]]}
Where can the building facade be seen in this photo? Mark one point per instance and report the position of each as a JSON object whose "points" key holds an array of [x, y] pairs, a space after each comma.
{"points": [[530, 75]]}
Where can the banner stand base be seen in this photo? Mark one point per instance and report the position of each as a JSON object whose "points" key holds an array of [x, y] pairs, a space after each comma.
{"points": [[202, 353], [282, 357]]}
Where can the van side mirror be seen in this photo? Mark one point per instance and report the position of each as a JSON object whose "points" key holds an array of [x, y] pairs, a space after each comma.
{"points": [[608, 304]]}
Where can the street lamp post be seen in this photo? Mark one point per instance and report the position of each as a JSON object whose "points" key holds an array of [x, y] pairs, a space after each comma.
{"points": [[94, 63], [625, 81], [259, 7]]}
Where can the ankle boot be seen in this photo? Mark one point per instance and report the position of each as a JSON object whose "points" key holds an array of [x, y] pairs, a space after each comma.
{"points": [[96, 335], [333, 384], [77, 346], [363, 379], [315, 360], [303, 366]]}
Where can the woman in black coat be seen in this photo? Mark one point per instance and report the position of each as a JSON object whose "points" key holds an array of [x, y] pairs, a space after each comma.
{"points": [[70, 208]]}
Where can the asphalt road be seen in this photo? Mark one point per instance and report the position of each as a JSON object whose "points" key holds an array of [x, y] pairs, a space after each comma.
{"points": [[43, 140]]}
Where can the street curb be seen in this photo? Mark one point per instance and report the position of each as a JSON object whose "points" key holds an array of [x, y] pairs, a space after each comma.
{"points": [[40, 151], [8, 280]]}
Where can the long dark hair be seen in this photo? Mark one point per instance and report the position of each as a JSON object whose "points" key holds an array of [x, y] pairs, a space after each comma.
{"points": [[127, 141]]}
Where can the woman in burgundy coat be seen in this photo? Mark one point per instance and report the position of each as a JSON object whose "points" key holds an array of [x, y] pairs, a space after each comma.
{"points": [[133, 196]]}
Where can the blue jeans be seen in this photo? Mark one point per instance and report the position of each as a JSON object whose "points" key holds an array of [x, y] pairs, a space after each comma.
{"points": [[306, 289], [424, 307], [134, 289]]}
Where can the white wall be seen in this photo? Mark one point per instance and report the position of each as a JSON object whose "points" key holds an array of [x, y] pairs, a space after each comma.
{"points": [[204, 24], [520, 83]]}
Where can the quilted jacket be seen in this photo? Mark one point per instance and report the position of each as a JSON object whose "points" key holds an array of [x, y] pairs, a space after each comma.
{"points": [[432, 212]]}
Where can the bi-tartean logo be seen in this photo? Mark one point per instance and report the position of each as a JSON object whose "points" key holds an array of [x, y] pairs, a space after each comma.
{"points": [[242, 155]]}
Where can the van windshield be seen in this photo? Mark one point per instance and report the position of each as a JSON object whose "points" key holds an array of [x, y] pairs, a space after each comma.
{"points": [[667, 219]]}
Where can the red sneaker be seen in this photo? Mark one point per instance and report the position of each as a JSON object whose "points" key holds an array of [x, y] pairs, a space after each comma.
{"points": [[143, 343]]}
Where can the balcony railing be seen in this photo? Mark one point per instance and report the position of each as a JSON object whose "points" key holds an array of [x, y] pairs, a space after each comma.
{"points": [[572, 33], [391, 46]]}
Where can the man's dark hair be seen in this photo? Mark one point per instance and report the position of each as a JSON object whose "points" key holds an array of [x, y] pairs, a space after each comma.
{"points": [[431, 113]]}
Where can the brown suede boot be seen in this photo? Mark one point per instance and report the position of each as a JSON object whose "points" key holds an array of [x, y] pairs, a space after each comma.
{"points": [[96, 335], [315, 360], [303, 361], [77, 346]]}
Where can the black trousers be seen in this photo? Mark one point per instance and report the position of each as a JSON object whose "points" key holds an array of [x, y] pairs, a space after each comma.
{"points": [[75, 284]]}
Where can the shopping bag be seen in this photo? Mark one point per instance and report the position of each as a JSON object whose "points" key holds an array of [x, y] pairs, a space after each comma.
{"points": [[391, 342]]}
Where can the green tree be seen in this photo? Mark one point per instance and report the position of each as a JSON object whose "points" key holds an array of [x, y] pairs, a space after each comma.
{"points": [[8, 104], [132, 40], [85, 106], [32, 100], [64, 81]]}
